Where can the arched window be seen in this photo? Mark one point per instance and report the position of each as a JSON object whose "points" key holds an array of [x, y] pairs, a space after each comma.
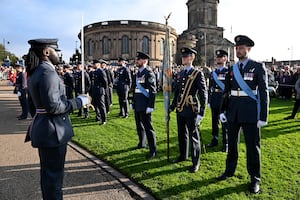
{"points": [[105, 45], [145, 45], [91, 47], [125, 44], [162, 46]]}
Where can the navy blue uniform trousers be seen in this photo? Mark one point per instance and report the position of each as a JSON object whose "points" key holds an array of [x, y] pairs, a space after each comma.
{"points": [[188, 132], [145, 129], [52, 171], [252, 140]]}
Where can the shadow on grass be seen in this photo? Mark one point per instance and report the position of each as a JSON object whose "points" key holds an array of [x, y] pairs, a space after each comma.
{"points": [[196, 185], [225, 191], [164, 172]]}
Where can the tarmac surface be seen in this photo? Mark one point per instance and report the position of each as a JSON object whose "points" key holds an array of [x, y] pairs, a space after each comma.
{"points": [[86, 177]]}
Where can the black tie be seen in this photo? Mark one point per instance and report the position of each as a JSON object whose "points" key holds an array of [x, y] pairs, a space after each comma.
{"points": [[241, 66], [185, 72]]}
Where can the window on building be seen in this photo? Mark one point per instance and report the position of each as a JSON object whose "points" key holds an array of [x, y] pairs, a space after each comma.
{"points": [[105, 45], [91, 47], [125, 44], [162, 44], [145, 45], [209, 15]]}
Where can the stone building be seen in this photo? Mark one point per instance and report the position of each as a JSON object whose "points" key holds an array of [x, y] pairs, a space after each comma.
{"points": [[203, 33], [110, 39]]}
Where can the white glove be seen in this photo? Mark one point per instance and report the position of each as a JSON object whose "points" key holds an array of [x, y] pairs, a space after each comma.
{"points": [[261, 123], [208, 105], [149, 110], [131, 106], [223, 118], [199, 119], [84, 99], [19, 94]]}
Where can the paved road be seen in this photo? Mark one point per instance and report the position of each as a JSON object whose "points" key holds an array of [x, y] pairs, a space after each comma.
{"points": [[86, 177]]}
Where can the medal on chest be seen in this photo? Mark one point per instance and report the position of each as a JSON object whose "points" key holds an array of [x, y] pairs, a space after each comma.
{"points": [[141, 79]]}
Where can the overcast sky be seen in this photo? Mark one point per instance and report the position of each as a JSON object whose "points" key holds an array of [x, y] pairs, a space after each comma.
{"points": [[272, 24]]}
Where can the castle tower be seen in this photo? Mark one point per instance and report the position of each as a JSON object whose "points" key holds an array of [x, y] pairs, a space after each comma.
{"points": [[202, 24], [202, 13]]}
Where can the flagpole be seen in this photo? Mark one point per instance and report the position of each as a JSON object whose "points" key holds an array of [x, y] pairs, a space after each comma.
{"points": [[82, 57], [167, 79]]}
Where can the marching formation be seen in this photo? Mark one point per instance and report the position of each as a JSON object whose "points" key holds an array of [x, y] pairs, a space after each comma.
{"points": [[237, 96]]}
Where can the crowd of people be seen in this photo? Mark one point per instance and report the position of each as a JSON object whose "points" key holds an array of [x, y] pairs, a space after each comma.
{"points": [[232, 94], [284, 78]]}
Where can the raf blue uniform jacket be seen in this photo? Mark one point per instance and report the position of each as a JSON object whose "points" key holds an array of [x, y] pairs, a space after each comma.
{"points": [[147, 79], [100, 83], [123, 78], [243, 109], [198, 93], [47, 91], [215, 93]]}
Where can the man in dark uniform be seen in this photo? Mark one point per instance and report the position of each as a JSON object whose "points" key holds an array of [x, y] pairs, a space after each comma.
{"points": [[51, 128], [69, 81], [90, 72], [189, 84], [21, 87], [123, 84], [109, 80], [245, 105], [110, 83], [98, 92], [78, 87], [143, 103], [215, 91]]}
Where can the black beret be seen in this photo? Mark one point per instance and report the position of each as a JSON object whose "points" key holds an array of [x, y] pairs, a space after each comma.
{"points": [[186, 51], [43, 43], [142, 55], [120, 59], [67, 66], [243, 40], [103, 61], [221, 53], [96, 61]]}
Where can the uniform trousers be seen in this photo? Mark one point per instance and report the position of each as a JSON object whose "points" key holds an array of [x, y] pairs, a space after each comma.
{"points": [[296, 107], [215, 112], [252, 140], [100, 107], [69, 92], [24, 104], [145, 129], [52, 162], [123, 102], [188, 132]]}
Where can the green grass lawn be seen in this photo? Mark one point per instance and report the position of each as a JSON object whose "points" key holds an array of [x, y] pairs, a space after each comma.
{"points": [[115, 143]]}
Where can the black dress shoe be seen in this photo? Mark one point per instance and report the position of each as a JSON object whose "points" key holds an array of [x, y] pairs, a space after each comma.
{"points": [[21, 118], [102, 123], [150, 155], [254, 187], [179, 159], [194, 168], [213, 143], [288, 117], [140, 147], [224, 177]]}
